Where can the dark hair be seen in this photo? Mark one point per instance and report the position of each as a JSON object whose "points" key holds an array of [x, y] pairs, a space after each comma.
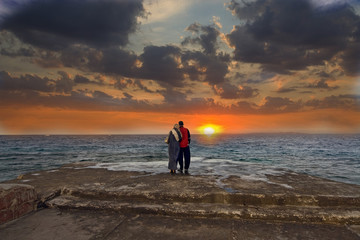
{"points": [[181, 123]]}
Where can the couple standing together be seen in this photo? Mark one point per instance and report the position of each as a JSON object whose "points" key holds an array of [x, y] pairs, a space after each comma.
{"points": [[178, 141]]}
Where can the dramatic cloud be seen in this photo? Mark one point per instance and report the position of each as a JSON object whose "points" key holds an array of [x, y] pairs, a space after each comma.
{"points": [[65, 83], [81, 80], [58, 24], [271, 105], [126, 83], [207, 39], [286, 90], [173, 97], [25, 82], [228, 91], [285, 35], [113, 61], [212, 68], [162, 64], [277, 104], [322, 84], [341, 101], [35, 91]]}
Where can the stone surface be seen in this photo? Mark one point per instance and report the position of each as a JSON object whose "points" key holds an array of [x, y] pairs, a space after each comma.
{"points": [[83, 224], [101, 204], [16, 200]]}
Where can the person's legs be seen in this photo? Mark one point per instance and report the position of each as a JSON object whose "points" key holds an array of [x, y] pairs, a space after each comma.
{"points": [[180, 158], [187, 157]]}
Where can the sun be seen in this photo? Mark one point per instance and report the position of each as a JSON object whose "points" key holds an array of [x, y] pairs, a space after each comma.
{"points": [[210, 129]]}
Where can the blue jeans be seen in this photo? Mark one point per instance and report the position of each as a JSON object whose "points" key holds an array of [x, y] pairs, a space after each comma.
{"points": [[186, 153]]}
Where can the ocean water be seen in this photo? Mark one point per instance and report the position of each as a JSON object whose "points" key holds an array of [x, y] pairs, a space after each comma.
{"points": [[252, 156]]}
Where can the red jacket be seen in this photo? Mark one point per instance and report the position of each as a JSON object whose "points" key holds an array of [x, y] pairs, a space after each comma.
{"points": [[185, 137]]}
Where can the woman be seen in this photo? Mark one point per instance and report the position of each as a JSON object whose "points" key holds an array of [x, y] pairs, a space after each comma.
{"points": [[173, 140]]}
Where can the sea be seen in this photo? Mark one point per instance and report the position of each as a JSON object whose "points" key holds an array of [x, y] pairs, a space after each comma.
{"points": [[250, 156]]}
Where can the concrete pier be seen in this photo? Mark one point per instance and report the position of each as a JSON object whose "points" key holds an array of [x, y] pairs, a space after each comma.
{"points": [[78, 202]]}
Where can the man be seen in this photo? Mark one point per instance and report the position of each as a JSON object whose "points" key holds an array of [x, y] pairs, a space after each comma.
{"points": [[184, 148]]}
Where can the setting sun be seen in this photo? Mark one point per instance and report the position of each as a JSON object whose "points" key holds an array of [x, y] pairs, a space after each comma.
{"points": [[210, 129]]}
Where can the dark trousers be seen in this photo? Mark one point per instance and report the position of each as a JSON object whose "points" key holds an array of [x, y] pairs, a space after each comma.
{"points": [[186, 153]]}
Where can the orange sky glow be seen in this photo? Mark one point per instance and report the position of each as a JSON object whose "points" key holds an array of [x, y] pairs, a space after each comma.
{"points": [[58, 121]]}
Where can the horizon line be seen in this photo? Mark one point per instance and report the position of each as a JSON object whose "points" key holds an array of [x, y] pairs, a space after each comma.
{"points": [[139, 134]]}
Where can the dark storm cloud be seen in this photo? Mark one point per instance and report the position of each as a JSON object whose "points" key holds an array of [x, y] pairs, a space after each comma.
{"points": [[207, 39], [278, 104], [65, 83], [340, 101], [351, 62], [161, 63], [126, 83], [10, 46], [260, 77], [28, 90], [23, 52], [166, 65], [131, 103], [247, 10], [207, 64], [80, 57], [229, 91], [25, 82], [322, 84], [213, 68], [244, 107], [57, 24], [98, 100], [77, 100], [47, 59], [273, 105], [288, 35], [173, 97], [84, 80], [81, 79], [286, 90], [114, 61]]}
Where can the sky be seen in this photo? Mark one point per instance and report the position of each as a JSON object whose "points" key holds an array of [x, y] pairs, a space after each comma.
{"points": [[139, 66]]}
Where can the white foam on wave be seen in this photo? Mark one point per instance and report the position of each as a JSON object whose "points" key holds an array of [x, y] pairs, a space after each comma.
{"points": [[154, 167], [245, 170], [221, 168]]}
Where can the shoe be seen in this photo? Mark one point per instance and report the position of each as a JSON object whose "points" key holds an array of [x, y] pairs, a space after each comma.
{"points": [[180, 170], [186, 171], [172, 172]]}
